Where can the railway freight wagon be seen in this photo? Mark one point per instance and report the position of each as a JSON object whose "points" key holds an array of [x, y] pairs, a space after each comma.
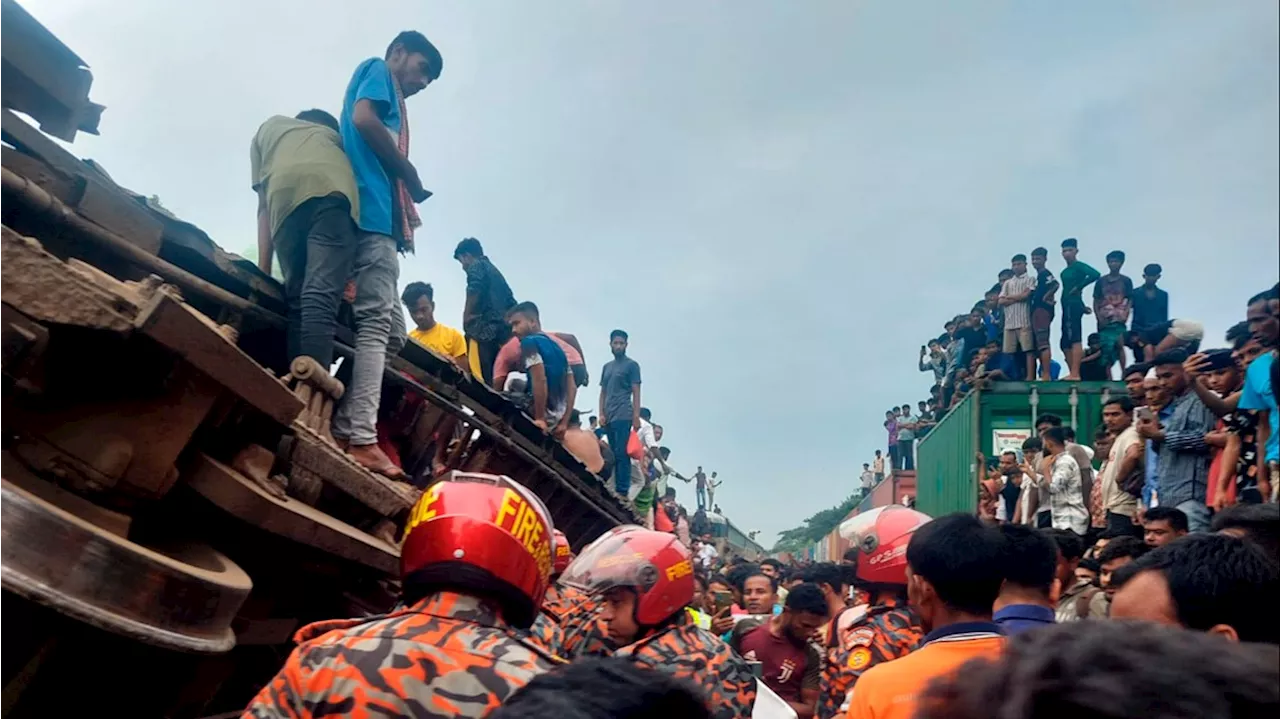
{"points": [[174, 506], [992, 421]]}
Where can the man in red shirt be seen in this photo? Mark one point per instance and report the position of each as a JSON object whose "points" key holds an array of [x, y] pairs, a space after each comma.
{"points": [[790, 665]]}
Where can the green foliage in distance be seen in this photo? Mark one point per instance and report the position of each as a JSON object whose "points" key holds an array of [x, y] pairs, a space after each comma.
{"points": [[817, 526]]}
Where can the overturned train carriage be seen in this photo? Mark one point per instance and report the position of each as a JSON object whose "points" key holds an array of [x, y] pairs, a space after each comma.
{"points": [[173, 508]]}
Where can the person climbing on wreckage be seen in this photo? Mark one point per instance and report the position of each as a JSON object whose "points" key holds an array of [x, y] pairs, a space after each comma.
{"points": [[475, 565]]}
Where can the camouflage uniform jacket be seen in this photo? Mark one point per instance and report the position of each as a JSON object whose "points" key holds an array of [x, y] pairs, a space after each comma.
{"points": [[546, 632], [560, 599], [882, 633], [701, 658], [447, 655]]}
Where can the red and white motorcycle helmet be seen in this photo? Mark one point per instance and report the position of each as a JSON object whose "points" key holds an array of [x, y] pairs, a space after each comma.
{"points": [[653, 564], [881, 537]]}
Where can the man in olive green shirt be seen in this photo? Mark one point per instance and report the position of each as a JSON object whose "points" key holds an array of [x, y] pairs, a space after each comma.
{"points": [[1074, 277], [307, 205]]}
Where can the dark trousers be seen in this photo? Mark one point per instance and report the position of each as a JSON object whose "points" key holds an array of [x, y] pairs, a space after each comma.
{"points": [[619, 432], [893, 455], [906, 455], [316, 245], [487, 352], [1120, 525]]}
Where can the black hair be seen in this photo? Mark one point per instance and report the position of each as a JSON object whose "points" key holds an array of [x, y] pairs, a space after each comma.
{"points": [[828, 573], [618, 333], [1071, 242], [523, 308], [771, 562], [1050, 419], [1152, 269], [1039, 252], [1122, 401], [1070, 545], [1030, 558], [1032, 444], [416, 290], [750, 571], [1004, 272], [1216, 579], [468, 246], [1140, 368], [1019, 258], [1057, 434], [1101, 433], [320, 117], [1093, 337], [1239, 334], [700, 579], [1173, 356], [1176, 518], [1121, 670], [1069, 433], [851, 554], [575, 418], [1091, 565], [960, 557], [604, 688], [807, 598], [413, 41], [1115, 255], [994, 289], [665, 452], [1259, 522], [1266, 295], [645, 414], [1121, 547]]}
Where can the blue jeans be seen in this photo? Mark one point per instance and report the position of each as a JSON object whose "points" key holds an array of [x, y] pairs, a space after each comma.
{"points": [[702, 497], [378, 316], [1197, 515], [619, 432], [316, 245]]}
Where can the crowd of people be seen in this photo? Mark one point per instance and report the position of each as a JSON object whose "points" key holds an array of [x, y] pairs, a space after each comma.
{"points": [[1144, 588], [922, 618], [337, 201]]}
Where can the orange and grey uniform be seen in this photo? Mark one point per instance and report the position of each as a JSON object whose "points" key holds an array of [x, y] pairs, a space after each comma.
{"points": [[448, 655], [887, 631], [698, 656]]}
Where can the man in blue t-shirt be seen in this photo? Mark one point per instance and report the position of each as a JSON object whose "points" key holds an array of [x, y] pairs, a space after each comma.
{"points": [[375, 139], [1259, 386], [550, 379]]}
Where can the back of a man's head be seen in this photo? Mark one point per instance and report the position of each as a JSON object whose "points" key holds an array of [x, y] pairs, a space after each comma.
{"points": [[1030, 562], [1256, 523], [825, 573], [1116, 670], [960, 558], [1207, 582], [612, 688]]}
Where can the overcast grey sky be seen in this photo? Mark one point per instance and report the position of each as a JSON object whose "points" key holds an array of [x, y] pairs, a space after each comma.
{"points": [[778, 200]]}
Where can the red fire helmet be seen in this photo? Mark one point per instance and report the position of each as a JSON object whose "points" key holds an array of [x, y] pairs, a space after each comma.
{"points": [[881, 537], [563, 554], [655, 564], [484, 533]]}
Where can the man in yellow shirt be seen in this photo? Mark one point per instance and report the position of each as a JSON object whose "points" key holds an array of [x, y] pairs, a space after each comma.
{"points": [[955, 566], [441, 339]]}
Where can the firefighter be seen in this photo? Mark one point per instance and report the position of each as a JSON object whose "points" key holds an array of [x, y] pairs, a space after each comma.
{"points": [[548, 629], [475, 564], [585, 634], [886, 628], [644, 580]]}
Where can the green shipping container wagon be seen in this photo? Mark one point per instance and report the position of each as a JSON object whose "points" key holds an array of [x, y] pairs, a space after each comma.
{"points": [[994, 420]]}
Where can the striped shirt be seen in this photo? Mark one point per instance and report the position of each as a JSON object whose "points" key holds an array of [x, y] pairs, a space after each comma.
{"points": [[1183, 456], [1018, 314], [1066, 498]]}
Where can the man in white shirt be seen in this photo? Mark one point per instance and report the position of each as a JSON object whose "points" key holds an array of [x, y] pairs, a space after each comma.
{"points": [[1119, 506], [868, 478], [1066, 503], [707, 554], [1035, 504]]}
